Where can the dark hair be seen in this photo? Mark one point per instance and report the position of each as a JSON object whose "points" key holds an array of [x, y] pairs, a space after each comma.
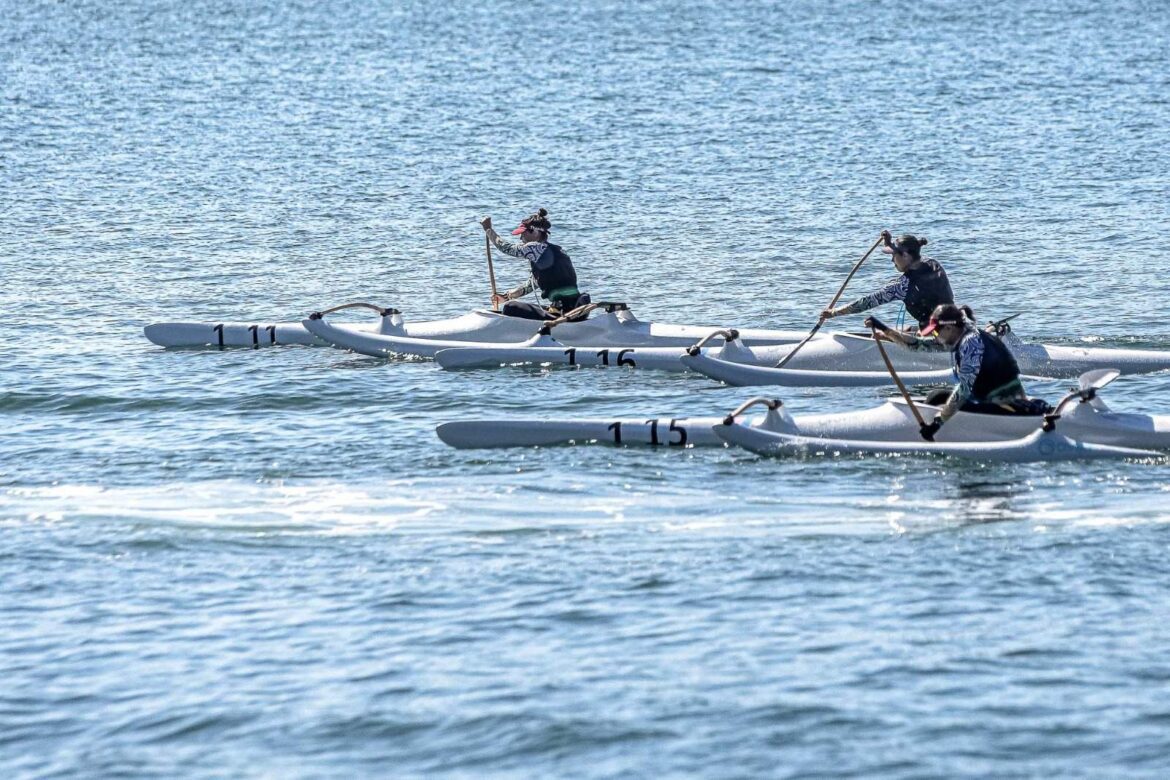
{"points": [[538, 221], [947, 312], [911, 245]]}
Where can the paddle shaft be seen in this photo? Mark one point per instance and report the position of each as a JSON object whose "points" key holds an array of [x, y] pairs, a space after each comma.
{"points": [[796, 349], [897, 379], [491, 271], [832, 303]]}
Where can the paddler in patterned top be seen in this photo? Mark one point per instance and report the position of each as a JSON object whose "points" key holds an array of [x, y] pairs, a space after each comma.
{"points": [[922, 286], [551, 271], [986, 369]]}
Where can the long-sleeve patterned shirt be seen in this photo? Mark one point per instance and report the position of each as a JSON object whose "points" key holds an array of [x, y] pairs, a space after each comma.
{"points": [[895, 290], [969, 357], [530, 251]]}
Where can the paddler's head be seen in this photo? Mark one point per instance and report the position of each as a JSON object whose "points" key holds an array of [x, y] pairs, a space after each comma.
{"points": [[906, 251], [534, 227], [947, 323]]}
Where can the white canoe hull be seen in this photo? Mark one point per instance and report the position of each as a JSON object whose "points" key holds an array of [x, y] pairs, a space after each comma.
{"points": [[744, 375], [893, 421], [1034, 447], [386, 345], [537, 350], [849, 352], [1067, 362]]}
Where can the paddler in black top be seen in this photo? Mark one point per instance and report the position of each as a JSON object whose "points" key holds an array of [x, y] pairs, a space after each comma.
{"points": [[551, 271], [986, 369], [922, 286]]}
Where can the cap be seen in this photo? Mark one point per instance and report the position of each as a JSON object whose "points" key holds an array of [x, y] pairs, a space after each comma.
{"points": [[537, 221], [906, 243], [943, 314]]}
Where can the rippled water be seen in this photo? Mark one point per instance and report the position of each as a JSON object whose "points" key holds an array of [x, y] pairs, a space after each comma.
{"points": [[265, 564]]}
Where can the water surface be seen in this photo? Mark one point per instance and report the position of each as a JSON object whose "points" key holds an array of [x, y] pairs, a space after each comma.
{"points": [[264, 563]]}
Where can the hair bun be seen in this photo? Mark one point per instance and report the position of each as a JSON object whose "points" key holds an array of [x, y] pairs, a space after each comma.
{"points": [[543, 212], [922, 241]]}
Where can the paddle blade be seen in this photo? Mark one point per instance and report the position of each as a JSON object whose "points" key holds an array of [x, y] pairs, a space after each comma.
{"points": [[792, 352], [1006, 320], [1098, 378]]}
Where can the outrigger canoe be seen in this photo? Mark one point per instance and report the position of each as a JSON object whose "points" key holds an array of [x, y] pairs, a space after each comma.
{"points": [[1082, 415], [610, 325], [615, 335], [742, 358]]}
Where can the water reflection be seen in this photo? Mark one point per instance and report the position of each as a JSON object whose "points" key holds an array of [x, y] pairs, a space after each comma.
{"points": [[995, 496]]}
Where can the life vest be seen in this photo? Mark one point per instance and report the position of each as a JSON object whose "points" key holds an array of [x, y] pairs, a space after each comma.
{"points": [[929, 288], [998, 373], [554, 274]]}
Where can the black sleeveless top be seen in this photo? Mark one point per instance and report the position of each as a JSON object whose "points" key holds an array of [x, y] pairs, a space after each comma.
{"points": [[554, 274], [998, 369], [929, 287]]}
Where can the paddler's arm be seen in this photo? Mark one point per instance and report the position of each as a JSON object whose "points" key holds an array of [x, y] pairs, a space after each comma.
{"points": [[971, 359], [513, 250], [907, 340], [507, 247], [521, 291], [894, 291]]}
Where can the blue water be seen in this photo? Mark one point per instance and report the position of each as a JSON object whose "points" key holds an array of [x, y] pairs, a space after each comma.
{"points": [[260, 564]]}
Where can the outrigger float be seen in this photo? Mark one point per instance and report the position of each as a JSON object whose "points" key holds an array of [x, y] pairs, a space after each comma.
{"points": [[1080, 426]]}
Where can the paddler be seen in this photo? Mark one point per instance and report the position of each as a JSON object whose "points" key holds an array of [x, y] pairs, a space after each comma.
{"points": [[986, 369], [922, 286], [551, 271]]}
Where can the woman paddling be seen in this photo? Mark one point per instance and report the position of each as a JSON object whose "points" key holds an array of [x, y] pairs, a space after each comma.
{"points": [[551, 271], [922, 286], [987, 370]]}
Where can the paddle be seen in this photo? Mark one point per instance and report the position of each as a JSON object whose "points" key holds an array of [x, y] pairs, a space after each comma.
{"points": [[1000, 327], [885, 236], [1094, 380], [897, 380], [491, 271]]}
